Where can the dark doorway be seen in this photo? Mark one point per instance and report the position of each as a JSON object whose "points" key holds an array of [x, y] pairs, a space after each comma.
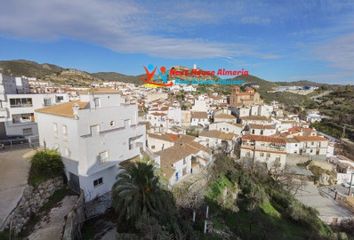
{"points": [[74, 182]]}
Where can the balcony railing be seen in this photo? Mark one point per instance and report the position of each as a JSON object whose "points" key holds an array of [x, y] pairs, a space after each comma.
{"points": [[21, 105]]}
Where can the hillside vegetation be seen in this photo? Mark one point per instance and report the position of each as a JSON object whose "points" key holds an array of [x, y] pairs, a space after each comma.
{"points": [[59, 75], [113, 76]]}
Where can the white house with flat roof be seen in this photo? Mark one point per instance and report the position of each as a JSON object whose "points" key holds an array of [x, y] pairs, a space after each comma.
{"points": [[93, 135], [17, 106]]}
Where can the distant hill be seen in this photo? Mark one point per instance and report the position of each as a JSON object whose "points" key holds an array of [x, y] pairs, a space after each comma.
{"points": [[113, 76], [287, 98], [28, 68], [264, 85], [60, 75], [302, 83]]}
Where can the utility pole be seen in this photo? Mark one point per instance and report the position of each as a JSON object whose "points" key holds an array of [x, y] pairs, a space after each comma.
{"points": [[343, 134]]}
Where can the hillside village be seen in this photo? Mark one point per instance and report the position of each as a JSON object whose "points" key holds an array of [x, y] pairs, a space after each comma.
{"points": [[99, 128]]}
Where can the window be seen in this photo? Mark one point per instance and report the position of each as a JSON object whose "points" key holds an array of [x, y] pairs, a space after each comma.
{"points": [[261, 132], [112, 123], [277, 159], [103, 157], [27, 131], [65, 130], [261, 154], [131, 143], [20, 102], [47, 102], [22, 118], [184, 161], [95, 129], [59, 99], [253, 131], [312, 143], [98, 182], [268, 155], [97, 102]]}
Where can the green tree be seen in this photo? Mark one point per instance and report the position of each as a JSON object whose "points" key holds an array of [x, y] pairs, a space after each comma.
{"points": [[44, 165], [136, 192]]}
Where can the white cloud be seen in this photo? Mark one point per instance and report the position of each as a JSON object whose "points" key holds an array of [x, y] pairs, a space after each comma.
{"points": [[339, 52], [122, 26]]}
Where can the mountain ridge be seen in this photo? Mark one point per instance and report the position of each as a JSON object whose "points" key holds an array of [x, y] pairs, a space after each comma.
{"points": [[62, 75]]}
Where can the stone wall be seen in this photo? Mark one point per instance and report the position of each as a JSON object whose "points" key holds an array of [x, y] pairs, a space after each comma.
{"points": [[33, 198], [75, 220]]}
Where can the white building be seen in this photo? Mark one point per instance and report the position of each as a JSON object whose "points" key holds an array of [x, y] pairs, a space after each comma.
{"points": [[181, 160], [215, 139], [260, 129], [265, 149], [94, 135], [234, 128], [159, 142], [201, 104], [17, 106], [313, 117], [199, 119]]}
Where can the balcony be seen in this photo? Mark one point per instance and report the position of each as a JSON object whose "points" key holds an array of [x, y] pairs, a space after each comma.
{"points": [[272, 146], [264, 148]]}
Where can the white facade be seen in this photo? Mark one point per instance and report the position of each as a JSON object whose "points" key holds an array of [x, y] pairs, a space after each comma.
{"points": [[227, 127], [20, 108], [265, 149], [174, 114], [264, 130], [98, 135], [200, 104], [195, 121]]}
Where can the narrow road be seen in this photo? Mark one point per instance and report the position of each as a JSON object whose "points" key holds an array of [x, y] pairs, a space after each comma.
{"points": [[14, 168], [53, 227], [321, 94]]}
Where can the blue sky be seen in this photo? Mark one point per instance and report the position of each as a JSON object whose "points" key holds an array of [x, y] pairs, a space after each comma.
{"points": [[279, 40]]}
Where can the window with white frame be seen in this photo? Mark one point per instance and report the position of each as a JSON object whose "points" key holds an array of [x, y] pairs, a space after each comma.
{"points": [[103, 157], [95, 129], [97, 182], [65, 130]]}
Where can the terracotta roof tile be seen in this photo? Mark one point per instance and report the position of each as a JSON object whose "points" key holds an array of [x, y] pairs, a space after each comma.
{"points": [[199, 115], [264, 138], [310, 138], [217, 134], [64, 109]]}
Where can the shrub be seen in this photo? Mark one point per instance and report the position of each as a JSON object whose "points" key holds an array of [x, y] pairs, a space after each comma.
{"points": [[45, 164]]}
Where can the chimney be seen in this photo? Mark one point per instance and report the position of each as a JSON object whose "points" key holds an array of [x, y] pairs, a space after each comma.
{"points": [[76, 108]]}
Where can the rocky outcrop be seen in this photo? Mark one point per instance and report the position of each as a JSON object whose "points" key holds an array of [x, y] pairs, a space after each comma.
{"points": [[74, 220], [33, 198]]}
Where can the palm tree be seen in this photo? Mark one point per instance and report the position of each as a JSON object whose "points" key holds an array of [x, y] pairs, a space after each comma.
{"points": [[136, 192]]}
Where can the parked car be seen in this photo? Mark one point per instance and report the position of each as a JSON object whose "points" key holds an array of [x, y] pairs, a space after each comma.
{"points": [[15, 139]]}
